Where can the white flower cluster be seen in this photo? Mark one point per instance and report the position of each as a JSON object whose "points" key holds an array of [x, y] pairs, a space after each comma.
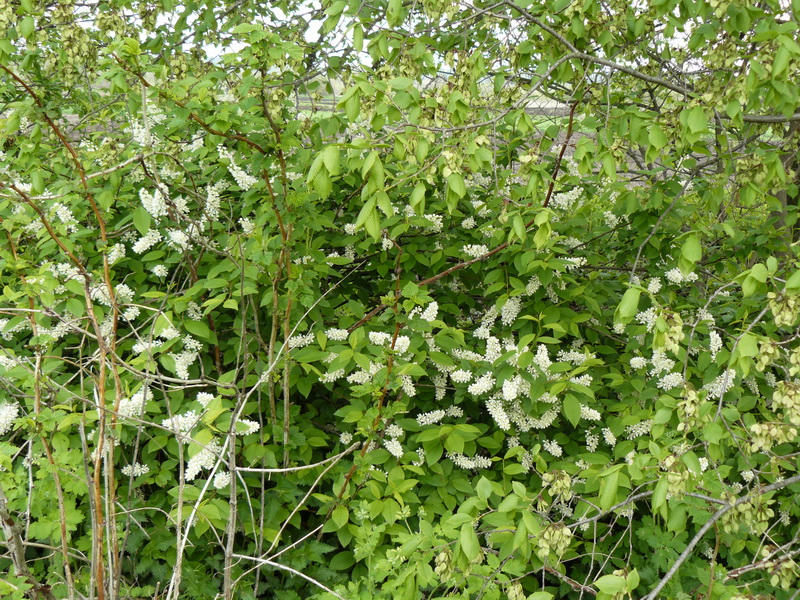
{"points": [[193, 311], [436, 225], [243, 179], [638, 362], [204, 398], [676, 276], [153, 203], [204, 459], [117, 252], [248, 227], [135, 470], [248, 427], [183, 424], [475, 250], [654, 285], [408, 385], [639, 429], [379, 338], [8, 414], [65, 215], [648, 317], [147, 241], [134, 406], [300, 341], [611, 219], [213, 199], [575, 262], [498, 413], [483, 384], [332, 376], [430, 418], [461, 376], [431, 311], [660, 363], [589, 414], [553, 448], [533, 285], [392, 444], [669, 381], [718, 387], [336, 335], [714, 343], [465, 462], [510, 310], [183, 360], [565, 200], [178, 239], [222, 479]]}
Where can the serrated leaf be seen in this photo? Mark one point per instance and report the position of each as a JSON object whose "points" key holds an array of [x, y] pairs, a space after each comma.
{"points": [[365, 212], [372, 224], [330, 157]]}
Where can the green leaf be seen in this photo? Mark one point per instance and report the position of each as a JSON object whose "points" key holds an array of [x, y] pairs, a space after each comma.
{"points": [[519, 227], [759, 273], [793, 283], [141, 220], [470, 545], [340, 516], [656, 137], [484, 488], [696, 120], [608, 490], [372, 224], [456, 183], [330, 157], [628, 306], [748, 345], [781, 61], [691, 249], [660, 493], [572, 409], [365, 211], [611, 584], [692, 462]]}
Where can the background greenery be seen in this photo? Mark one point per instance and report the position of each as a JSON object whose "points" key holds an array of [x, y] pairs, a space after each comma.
{"points": [[430, 299]]}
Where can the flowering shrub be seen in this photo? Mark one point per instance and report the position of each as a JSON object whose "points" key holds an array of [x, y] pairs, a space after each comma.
{"points": [[399, 300]]}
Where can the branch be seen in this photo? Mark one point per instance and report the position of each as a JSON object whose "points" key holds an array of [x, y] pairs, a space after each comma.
{"points": [[709, 524]]}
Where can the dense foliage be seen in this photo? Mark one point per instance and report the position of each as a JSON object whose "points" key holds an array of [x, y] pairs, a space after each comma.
{"points": [[399, 299]]}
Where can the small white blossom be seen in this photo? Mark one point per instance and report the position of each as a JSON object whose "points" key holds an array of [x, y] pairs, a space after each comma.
{"points": [[336, 335], [553, 448], [475, 250], [222, 479], [135, 469], [8, 414], [483, 384]]}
